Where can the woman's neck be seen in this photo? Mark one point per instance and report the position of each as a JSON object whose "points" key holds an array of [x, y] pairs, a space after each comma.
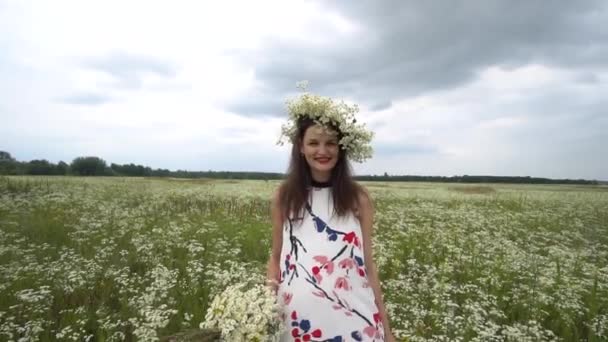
{"points": [[316, 184], [321, 177], [320, 180]]}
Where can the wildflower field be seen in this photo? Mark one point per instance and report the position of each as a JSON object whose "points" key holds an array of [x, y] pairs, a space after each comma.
{"points": [[113, 259]]}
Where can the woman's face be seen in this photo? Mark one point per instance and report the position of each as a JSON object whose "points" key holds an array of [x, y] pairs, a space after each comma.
{"points": [[320, 148]]}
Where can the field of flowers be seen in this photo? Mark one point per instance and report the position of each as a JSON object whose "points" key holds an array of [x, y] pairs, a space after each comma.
{"points": [[113, 259]]}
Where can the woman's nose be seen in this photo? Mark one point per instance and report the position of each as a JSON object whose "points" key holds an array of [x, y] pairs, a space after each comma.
{"points": [[323, 148]]}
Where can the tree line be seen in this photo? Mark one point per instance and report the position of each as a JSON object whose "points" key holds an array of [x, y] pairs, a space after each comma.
{"points": [[95, 166]]}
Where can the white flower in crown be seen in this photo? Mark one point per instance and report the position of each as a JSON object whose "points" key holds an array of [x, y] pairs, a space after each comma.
{"points": [[326, 112]]}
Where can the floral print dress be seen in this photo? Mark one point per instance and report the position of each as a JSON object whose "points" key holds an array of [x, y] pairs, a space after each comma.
{"points": [[323, 289]]}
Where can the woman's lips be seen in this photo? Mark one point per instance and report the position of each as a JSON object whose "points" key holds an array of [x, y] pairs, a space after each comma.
{"points": [[323, 160]]}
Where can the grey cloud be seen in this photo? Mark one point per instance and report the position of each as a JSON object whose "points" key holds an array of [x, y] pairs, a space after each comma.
{"points": [[587, 77], [128, 69], [258, 105], [382, 105], [553, 103], [90, 99], [410, 47]]}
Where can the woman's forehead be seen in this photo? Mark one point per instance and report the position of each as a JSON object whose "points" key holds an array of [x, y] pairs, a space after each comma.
{"points": [[320, 132]]}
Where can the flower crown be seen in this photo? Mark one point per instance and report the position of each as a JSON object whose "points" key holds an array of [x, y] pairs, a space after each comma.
{"points": [[327, 113]]}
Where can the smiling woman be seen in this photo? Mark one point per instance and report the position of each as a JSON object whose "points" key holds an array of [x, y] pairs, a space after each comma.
{"points": [[321, 265]]}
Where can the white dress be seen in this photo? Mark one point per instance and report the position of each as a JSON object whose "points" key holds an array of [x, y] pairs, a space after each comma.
{"points": [[323, 289]]}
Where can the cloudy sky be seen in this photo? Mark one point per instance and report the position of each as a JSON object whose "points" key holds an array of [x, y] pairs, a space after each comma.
{"points": [[506, 88]]}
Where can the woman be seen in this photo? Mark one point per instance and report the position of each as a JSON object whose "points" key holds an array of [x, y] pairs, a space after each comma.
{"points": [[321, 265]]}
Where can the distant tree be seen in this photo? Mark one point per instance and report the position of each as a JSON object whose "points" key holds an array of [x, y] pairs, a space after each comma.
{"points": [[108, 171], [116, 168], [8, 164], [5, 156], [39, 167], [62, 168], [89, 166]]}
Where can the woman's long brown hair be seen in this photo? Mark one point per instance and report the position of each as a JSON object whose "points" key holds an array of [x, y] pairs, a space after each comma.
{"points": [[293, 192]]}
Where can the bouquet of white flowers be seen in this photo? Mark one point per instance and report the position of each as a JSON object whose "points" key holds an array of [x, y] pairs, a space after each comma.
{"points": [[245, 312]]}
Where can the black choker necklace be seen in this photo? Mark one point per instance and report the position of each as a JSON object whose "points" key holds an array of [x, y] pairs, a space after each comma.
{"points": [[316, 184]]}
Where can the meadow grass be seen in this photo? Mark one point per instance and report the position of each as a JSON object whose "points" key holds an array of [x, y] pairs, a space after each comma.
{"points": [[113, 259]]}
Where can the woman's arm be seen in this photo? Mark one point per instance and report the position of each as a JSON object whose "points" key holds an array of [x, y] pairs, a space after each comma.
{"points": [[276, 217], [366, 218]]}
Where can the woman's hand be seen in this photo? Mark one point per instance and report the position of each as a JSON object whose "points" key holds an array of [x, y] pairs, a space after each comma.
{"points": [[272, 276]]}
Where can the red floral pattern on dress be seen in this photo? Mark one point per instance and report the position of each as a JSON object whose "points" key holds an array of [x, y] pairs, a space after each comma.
{"points": [[351, 237]]}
